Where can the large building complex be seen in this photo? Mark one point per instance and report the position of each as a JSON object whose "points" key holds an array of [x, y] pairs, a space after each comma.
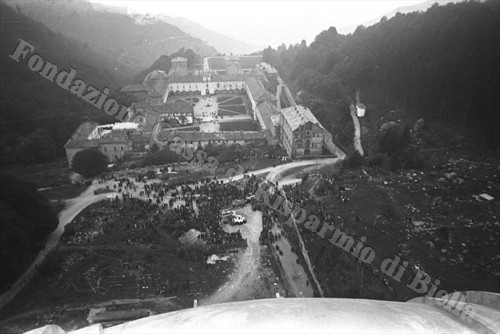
{"points": [[300, 132], [169, 98]]}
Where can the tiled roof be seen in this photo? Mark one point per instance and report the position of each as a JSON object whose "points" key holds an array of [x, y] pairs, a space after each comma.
{"points": [[79, 138], [275, 119], [179, 60], [139, 138], [115, 136], [232, 68], [154, 94], [298, 115], [160, 86], [267, 68], [249, 62], [267, 110], [152, 118], [83, 143], [135, 88], [227, 77], [153, 76], [217, 63], [259, 93], [185, 79], [255, 87], [196, 136]]}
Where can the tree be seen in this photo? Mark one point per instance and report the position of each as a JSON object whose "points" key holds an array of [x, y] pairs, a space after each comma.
{"points": [[25, 219], [89, 162], [37, 147]]}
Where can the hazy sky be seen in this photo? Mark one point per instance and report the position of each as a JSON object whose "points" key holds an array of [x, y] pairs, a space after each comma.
{"points": [[270, 22]]}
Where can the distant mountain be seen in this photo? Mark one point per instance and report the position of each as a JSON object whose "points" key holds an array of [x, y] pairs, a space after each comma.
{"points": [[110, 9], [418, 7], [222, 43], [134, 42], [36, 115]]}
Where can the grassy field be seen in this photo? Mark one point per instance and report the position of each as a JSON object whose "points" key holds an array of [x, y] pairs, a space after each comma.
{"points": [[239, 109], [238, 126], [102, 256], [231, 101]]}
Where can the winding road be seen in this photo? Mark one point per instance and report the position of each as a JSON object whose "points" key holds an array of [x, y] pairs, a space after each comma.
{"points": [[249, 262]]}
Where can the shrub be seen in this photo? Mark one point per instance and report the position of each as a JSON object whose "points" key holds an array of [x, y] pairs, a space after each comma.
{"points": [[379, 160], [89, 162], [355, 160]]}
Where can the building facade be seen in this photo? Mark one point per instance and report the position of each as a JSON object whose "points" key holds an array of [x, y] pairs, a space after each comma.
{"points": [[301, 134]]}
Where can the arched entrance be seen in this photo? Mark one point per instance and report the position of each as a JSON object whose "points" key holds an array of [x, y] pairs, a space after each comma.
{"points": [[307, 146]]}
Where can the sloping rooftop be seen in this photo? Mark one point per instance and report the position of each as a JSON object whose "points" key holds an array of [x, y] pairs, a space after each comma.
{"points": [[217, 63], [196, 136], [227, 77], [135, 88], [249, 62], [232, 68], [267, 110], [275, 119], [299, 115], [179, 60], [255, 87], [267, 68], [79, 138], [81, 143], [154, 94], [139, 138], [153, 76], [115, 136], [185, 79], [152, 118]]}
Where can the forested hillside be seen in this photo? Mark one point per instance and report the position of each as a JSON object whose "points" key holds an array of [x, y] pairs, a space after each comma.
{"points": [[25, 219], [441, 64], [132, 43], [164, 62], [37, 116]]}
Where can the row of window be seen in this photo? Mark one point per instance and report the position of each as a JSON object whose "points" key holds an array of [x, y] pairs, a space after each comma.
{"points": [[106, 149], [308, 134]]}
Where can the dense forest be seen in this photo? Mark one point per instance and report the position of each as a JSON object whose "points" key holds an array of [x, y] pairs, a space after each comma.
{"points": [[441, 64], [37, 116], [25, 220]]}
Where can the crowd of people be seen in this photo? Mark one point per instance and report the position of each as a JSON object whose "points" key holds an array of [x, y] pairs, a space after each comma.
{"points": [[176, 207]]}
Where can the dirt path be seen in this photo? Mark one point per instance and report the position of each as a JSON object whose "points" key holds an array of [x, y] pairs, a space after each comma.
{"points": [[357, 130], [248, 263], [73, 208], [296, 275], [244, 282], [277, 173], [241, 285]]}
